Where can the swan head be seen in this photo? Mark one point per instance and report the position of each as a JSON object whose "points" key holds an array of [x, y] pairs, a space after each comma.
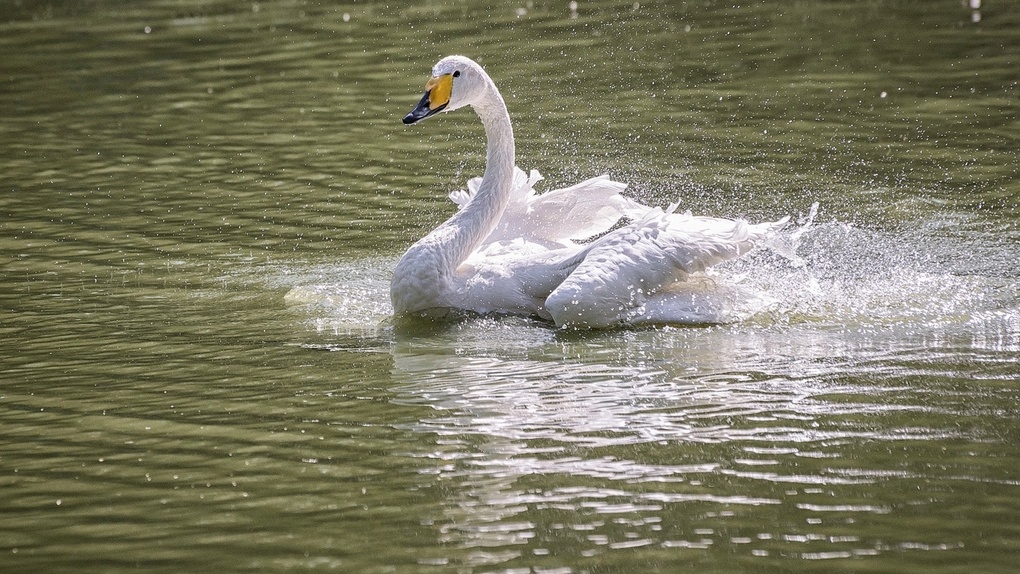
{"points": [[456, 82]]}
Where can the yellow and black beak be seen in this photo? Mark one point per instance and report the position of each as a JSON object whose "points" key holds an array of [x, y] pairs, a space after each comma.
{"points": [[436, 98]]}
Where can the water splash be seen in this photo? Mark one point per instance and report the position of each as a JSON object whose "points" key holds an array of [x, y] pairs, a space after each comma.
{"points": [[349, 298], [828, 274], [838, 274]]}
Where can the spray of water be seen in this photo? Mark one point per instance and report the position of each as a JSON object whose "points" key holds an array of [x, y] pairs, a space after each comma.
{"points": [[829, 274]]}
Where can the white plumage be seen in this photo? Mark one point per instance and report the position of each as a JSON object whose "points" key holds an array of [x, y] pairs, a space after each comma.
{"points": [[511, 250]]}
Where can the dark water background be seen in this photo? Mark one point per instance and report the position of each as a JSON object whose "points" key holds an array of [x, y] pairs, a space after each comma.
{"points": [[201, 203]]}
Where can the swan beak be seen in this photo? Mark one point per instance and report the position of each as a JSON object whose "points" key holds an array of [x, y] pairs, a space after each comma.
{"points": [[436, 98]]}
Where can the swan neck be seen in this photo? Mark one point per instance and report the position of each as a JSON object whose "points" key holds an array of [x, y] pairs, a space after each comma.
{"points": [[500, 148], [481, 215], [425, 276]]}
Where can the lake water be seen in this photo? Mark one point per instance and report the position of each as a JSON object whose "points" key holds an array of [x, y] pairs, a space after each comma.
{"points": [[202, 202]]}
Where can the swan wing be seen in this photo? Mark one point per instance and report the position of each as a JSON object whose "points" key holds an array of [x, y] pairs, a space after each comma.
{"points": [[513, 277], [616, 275], [577, 212], [523, 188], [557, 218]]}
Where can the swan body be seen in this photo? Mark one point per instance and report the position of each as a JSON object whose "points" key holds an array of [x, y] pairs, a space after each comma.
{"points": [[508, 249]]}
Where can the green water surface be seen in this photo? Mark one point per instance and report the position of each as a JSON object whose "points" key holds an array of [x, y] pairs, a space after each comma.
{"points": [[201, 204]]}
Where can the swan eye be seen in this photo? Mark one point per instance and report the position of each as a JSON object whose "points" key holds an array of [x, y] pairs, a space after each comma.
{"points": [[456, 74]]}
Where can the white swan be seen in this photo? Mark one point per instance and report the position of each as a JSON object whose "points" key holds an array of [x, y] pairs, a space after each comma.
{"points": [[508, 250]]}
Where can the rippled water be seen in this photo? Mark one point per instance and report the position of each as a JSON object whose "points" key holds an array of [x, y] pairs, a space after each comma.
{"points": [[202, 203]]}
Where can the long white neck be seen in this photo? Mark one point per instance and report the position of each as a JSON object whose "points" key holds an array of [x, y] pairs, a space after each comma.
{"points": [[425, 276], [480, 216]]}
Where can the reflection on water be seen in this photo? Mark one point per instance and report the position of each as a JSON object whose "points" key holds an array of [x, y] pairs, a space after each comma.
{"points": [[202, 205], [667, 449]]}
